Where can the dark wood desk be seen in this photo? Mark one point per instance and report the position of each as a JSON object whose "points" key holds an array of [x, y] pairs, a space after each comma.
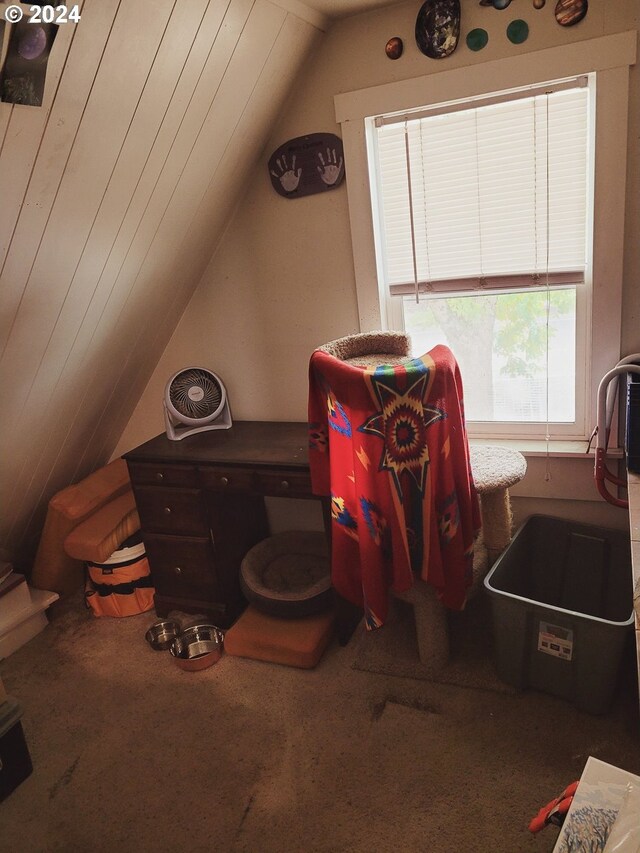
{"points": [[201, 506]]}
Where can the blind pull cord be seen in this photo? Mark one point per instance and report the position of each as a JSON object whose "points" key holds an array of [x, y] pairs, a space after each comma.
{"points": [[424, 207], [547, 472], [411, 218], [481, 280]]}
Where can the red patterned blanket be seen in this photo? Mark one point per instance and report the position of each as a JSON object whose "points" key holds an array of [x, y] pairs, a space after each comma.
{"points": [[390, 446]]}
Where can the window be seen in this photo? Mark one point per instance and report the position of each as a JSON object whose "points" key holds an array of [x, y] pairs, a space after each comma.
{"points": [[582, 303], [481, 214]]}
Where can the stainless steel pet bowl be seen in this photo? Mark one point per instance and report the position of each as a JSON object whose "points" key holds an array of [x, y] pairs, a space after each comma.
{"points": [[161, 634], [198, 647]]}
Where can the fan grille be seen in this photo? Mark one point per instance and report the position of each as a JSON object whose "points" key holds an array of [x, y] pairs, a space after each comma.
{"points": [[195, 394]]}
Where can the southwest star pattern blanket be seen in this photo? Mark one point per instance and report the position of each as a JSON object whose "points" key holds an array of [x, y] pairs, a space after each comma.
{"points": [[389, 445]]}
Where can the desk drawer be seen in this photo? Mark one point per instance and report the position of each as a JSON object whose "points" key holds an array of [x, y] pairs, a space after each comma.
{"points": [[182, 567], [151, 474], [227, 479], [178, 511], [284, 483]]}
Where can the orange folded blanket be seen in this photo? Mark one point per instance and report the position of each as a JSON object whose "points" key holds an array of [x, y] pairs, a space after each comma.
{"points": [[53, 568], [103, 532]]}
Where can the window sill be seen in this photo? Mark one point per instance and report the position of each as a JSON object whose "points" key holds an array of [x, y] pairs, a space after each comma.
{"points": [[556, 447]]}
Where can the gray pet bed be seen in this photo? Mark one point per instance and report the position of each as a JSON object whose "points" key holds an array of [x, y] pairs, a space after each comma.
{"points": [[288, 574]]}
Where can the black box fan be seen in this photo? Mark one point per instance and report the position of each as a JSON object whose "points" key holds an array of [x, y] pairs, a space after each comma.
{"points": [[195, 400]]}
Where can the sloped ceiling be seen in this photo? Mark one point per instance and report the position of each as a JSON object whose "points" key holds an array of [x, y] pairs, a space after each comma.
{"points": [[113, 195]]}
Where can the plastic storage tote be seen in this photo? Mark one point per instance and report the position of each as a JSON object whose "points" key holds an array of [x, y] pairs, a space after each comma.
{"points": [[562, 609]]}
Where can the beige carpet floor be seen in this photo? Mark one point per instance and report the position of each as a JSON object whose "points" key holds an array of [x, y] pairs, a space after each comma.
{"points": [[132, 754]]}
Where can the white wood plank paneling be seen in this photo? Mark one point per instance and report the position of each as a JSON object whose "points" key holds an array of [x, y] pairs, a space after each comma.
{"points": [[106, 120], [22, 139], [20, 243], [61, 360], [85, 383]]}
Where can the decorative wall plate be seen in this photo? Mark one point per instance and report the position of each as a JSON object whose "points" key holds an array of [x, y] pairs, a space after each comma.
{"points": [[438, 28], [477, 39], [570, 12], [394, 48], [307, 165], [518, 31]]}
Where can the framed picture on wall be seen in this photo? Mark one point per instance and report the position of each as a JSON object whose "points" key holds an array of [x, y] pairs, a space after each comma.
{"points": [[24, 71]]}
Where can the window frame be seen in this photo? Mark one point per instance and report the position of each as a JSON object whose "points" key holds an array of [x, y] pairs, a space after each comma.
{"points": [[608, 58]]}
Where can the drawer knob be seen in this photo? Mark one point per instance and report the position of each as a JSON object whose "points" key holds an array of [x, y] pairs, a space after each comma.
{"points": [[167, 510], [178, 570], [224, 481], [284, 484], [160, 476]]}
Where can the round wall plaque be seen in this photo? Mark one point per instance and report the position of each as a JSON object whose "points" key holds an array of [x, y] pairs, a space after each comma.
{"points": [[518, 31], [477, 39], [394, 48], [570, 12], [438, 28]]}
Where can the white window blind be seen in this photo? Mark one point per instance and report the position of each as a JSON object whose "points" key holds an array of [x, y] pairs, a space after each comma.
{"points": [[464, 199]]}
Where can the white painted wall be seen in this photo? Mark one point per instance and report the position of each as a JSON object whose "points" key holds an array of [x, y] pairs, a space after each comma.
{"points": [[282, 279], [113, 196]]}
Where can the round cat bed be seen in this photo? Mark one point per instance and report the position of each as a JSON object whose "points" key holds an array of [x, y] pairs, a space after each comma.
{"points": [[288, 574], [370, 349]]}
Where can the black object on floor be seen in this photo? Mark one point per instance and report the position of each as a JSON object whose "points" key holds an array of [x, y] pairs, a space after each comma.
{"points": [[15, 761]]}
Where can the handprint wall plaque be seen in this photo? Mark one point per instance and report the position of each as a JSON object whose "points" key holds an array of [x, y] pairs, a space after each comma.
{"points": [[307, 165]]}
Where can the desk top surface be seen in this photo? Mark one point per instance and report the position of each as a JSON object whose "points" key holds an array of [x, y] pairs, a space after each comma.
{"points": [[246, 443]]}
